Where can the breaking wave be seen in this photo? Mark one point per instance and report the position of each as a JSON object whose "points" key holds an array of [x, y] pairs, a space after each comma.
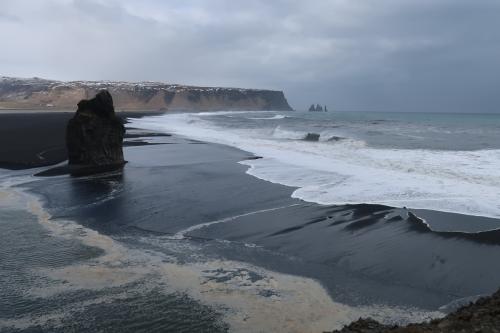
{"points": [[251, 298], [349, 172], [276, 117], [285, 134]]}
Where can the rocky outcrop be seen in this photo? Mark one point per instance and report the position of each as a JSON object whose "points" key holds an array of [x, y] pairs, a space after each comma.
{"points": [[44, 94], [481, 316], [94, 136], [365, 326], [317, 108], [312, 137]]}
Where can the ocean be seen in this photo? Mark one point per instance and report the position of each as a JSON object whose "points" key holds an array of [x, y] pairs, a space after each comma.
{"points": [[258, 221], [440, 161]]}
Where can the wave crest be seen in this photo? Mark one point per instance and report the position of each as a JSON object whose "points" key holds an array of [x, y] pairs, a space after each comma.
{"points": [[346, 171]]}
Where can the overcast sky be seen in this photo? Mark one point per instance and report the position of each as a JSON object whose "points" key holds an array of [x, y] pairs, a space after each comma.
{"points": [[397, 55]]}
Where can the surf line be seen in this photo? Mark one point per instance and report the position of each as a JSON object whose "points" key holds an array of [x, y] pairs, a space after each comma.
{"points": [[182, 234]]}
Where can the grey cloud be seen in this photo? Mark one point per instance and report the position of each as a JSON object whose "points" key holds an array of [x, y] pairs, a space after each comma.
{"points": [[8, 18], [410, 55]]}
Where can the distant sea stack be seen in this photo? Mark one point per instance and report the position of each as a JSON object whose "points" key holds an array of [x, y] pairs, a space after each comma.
{"points": [[94, 136], [317, 108], [36, 93]]}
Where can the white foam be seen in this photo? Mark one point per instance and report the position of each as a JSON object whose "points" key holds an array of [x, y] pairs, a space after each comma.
{"points": [[182, 234], [280, 133], [276, 117], [274, 302], [348, 172]]}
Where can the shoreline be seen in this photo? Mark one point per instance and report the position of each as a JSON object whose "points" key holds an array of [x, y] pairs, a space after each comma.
{"points": [[264, 169], [36, 139], [140, 112], [169, 177], [289, 288], [308, 291]]}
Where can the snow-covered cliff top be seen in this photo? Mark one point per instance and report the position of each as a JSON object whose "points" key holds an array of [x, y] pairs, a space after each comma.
{"points": [[125, 85]]}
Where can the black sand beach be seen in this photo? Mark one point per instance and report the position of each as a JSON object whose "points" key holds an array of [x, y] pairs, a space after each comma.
{"points": [[32, 139], [192, 201], [37, 138]]}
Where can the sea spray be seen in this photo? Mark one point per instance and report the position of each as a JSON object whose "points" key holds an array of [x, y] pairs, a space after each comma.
{"points": [[349, 171]]}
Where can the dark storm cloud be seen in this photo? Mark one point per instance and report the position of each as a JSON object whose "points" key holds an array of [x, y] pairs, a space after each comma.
{"points": [[370, 55]]}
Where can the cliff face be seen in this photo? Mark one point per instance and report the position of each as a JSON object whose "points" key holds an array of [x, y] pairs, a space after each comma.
{"points": [[39, 93]]}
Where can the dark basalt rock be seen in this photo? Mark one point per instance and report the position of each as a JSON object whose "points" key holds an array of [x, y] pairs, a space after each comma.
{"points": [[94, 137], [481, 316], [312, 137], [366, 326], [317, 108]]}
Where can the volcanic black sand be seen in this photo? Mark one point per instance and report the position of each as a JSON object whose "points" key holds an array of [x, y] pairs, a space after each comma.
{"points": [[383, 262], [34, 139]]}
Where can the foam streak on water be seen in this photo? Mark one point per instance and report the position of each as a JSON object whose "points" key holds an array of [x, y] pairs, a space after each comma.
{"points": [[348, 171], [251, 298], [181, 234]]}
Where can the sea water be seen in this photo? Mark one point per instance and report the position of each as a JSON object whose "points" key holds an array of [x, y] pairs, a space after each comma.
{"points": [[440, 161], [86, 255]]}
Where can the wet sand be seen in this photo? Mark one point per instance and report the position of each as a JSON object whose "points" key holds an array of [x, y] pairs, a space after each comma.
{"points": [[37, 138], [381, 261], [175, 188]]}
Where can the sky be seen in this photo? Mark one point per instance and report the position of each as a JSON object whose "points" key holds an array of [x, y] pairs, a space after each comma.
{"points": [[384, 55]]}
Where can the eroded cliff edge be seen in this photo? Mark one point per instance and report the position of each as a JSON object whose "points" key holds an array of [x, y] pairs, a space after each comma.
{"points": [[36, 93]]}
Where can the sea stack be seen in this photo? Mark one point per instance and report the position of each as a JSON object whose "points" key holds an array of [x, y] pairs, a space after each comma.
{"points": [[94, 137]]}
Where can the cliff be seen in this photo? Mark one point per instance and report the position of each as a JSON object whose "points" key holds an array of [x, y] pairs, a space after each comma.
{"points": [[36, 93]]}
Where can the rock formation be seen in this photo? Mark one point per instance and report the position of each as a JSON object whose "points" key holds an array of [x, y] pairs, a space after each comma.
{"points": [[312, 137], [36, 93], [317, 108], [94, 136], [481, 316]]}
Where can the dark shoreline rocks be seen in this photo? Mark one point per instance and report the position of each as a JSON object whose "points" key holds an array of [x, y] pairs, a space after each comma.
{"points": [[481, 316], [46, 143], [312, 137], [94, 137]]}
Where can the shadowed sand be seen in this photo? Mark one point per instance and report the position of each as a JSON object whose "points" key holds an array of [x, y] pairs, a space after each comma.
{"points": [[37, 138], [233, 234]]}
